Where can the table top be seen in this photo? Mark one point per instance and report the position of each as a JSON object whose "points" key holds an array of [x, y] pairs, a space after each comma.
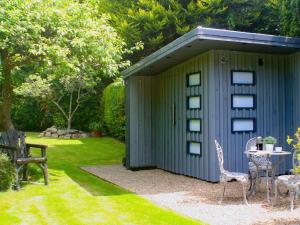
{"points": [[264, 152]]}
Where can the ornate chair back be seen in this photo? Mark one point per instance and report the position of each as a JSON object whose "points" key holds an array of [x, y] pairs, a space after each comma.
{"points": [[220, 156], [259, 160]]}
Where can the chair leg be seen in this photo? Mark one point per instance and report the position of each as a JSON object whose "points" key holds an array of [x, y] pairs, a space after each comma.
{"points": [[276, 192], [273, 179], [252, 179], [245, 192], [292, 197], [25, 172], [223, 193], [257, 180]]}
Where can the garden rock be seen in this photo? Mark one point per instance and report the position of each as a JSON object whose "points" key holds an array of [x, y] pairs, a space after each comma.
{"points": [[63, 133]]}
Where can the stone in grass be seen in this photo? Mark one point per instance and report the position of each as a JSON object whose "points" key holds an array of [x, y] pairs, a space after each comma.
{"points": [[55, 135], [52, 129], [48, 134]]}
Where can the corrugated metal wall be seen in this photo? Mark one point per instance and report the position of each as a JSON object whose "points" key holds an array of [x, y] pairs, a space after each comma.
{"points": [[171, 140], [270, 110], [154, 140], [293, 95], [140, 152]]}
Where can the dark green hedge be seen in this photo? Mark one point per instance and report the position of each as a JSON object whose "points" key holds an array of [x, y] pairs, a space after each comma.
{"points": [[113, 102], [30, 115]]}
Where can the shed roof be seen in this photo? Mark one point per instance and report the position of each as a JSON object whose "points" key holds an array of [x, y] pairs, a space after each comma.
{"points": [[203, 39]]}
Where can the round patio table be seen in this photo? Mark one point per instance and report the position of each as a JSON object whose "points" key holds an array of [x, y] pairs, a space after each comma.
{"points": [[269, 155]]}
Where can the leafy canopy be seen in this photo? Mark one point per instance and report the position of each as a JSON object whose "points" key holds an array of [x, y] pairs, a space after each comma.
{"points": [[73, 46], [59, 49], [158, 22]]}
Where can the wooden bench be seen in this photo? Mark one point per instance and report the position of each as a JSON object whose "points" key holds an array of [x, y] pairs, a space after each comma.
{"points": [[12, 142]]}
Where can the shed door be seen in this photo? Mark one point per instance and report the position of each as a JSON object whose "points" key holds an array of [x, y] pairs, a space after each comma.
{"points": [[179, 126]]}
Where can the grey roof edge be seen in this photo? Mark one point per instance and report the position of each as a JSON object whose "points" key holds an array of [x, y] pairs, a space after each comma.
{"points": [[212, 34]]}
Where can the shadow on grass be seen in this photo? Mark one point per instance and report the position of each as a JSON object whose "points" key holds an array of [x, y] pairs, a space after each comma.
{"points": [[67, 157]]}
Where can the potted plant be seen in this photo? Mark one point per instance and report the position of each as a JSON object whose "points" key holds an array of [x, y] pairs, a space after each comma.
{"points": [[295, 143], [96, 128], [269, 143]]}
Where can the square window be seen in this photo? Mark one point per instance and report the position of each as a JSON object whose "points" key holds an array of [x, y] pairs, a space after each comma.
{"points": [[194, 148], [194, 125], [194, 102], [194, 79], [242, 101], [242, 78], [243, 125]]}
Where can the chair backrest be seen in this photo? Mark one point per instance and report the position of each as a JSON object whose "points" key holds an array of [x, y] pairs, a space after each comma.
{"points": [[220, 156], [251, 142], [16, 139], [259, 160]]}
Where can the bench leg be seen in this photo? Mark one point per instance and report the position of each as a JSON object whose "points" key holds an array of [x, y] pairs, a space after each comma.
{"points": [[17, 171], [25, 172], [45, 172], [17, 182]]}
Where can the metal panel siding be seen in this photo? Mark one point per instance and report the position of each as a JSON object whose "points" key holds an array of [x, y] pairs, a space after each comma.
{"points": [[139, 125], [171, 141], [292, 96], [127, 131], [155, 141], [269, 113]]}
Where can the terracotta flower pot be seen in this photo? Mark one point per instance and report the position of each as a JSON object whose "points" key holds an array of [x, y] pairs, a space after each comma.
{"points": [[97, 133]]}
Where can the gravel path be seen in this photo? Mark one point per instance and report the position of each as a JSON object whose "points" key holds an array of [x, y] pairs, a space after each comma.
{"points": [[198, 199]]}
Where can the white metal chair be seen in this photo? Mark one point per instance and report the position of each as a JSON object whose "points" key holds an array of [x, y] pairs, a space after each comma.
{"points": [[292, 182], [226, 176], [257, 166]]}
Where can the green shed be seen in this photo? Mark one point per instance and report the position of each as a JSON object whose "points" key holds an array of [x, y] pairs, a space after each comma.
{"points": [[210, 84]]}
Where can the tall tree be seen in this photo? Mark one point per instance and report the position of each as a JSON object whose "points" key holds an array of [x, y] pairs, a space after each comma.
{"points": [[57, 49], [158, 22], [289, 11]]}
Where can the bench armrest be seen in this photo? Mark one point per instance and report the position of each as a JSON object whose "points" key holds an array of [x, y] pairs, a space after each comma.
{"points": [[8, 147], [42, 147]]}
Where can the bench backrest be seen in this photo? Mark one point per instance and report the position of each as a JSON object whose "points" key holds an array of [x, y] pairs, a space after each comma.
{"points": [[16, 139]]}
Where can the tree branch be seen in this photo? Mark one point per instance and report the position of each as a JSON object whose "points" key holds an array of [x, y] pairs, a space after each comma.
{"points": [[60, 108], [77, 101]]}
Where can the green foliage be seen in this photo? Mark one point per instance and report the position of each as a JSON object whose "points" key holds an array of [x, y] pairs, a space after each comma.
{"points": [[7, 173], [289, 17], [113, 102], [58, 51], [59, 121], [30, 115], [270, 140], [96, 126], [157, 23]]}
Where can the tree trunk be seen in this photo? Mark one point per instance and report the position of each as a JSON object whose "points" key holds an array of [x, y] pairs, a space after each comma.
{"points": [[7, 93], [69, 123]]}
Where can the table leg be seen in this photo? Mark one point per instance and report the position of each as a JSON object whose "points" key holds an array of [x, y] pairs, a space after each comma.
{"points": [[268, 192]]}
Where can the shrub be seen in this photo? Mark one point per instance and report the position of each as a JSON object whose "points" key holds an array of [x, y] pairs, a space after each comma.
{"points": [[59, 120], [30, 115], [7, 173], [113, 102]]}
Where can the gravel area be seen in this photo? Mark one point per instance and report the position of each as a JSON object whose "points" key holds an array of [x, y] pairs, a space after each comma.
{"points": [[199, 199]]}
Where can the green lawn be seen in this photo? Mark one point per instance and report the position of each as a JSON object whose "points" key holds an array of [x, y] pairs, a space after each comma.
{"points": [[76, 197]]}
